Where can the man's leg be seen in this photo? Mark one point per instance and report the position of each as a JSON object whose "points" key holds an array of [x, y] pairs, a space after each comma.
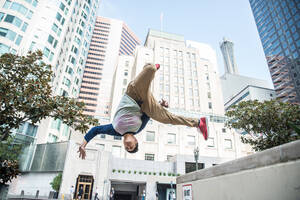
{"points": [[155, 111], [138, 89]]}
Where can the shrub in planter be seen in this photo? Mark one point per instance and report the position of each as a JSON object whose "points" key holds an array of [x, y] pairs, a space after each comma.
{"points": [[145, 173], [169, 174], [113, 170], [123, 171], [119, 171], [160, 173], [135, 172], [129, 172], [164, 174], [140, 172], [154, 173]]}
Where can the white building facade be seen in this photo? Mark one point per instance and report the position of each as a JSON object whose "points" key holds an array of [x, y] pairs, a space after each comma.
{"points": [[62, 29]]}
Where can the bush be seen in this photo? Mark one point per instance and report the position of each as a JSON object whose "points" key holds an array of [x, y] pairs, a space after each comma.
{"points": [[55, 184], [113, 170]]}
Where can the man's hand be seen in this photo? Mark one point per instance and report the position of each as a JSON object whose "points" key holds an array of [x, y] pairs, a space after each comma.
{"points": [[81, 150], [164, 103]]}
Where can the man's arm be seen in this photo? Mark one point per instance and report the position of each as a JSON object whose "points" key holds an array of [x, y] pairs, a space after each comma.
{"points": [[103, 129]]}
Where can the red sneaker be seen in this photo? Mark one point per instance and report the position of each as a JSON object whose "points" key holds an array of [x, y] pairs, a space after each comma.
{"points": [[203, 127], [157, 66]]}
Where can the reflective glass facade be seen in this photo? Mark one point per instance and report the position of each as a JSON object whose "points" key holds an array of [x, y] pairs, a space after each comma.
{"points": [[278, 24]]}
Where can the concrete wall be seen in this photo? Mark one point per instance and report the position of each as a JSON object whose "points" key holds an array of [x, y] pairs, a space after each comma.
{"points": [[269, 175], [31, 182]]}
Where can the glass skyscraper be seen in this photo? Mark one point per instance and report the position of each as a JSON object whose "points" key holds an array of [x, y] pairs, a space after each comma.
{"points": [[278, 24]]}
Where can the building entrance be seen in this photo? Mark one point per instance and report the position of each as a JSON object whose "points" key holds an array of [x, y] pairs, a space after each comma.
{"points": [[86, 184], [128, 190]]}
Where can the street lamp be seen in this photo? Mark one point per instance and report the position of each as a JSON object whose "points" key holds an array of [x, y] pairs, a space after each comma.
{"points": [[103, 196], [196, 155]]}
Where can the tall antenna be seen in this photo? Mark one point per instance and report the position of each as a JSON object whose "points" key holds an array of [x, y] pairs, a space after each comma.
{"points": [[161, 21]]}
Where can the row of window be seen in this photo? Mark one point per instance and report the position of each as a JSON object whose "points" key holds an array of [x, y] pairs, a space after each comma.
{"points": [[92, 77], [11, 35], [91, 72], [90, 82], [94, 63], [94, 58], [6, 49], [14, 20], [18, 8], [88, 98], [95, 68], [96, 54], [101, 38], [91, 88]]}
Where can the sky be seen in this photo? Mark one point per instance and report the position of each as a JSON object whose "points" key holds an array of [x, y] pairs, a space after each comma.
{"points": [[205, 21]]}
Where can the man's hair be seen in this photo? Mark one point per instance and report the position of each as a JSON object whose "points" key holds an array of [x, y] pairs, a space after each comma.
{"points": [[136, 149]]}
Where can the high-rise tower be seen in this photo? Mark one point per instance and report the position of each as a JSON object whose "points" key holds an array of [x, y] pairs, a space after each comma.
{"points": [[62, 29], [228, 55], [110, 39], [278, 25]]}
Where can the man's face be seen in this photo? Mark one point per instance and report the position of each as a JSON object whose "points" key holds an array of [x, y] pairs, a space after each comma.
{"points": [[129, 142]]}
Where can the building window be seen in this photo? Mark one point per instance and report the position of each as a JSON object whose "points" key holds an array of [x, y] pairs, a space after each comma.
{"points": [[13, 20], [228, 144], [52, 138], [18, 40], [169, 158], [191, 140], [7, 33], [56, 124], [117, 138], [150, 136], [100, 146], [102, 136], [210, 142], [209, 105], [116, 151], [149, 156], [171, 138], [209, 95]]}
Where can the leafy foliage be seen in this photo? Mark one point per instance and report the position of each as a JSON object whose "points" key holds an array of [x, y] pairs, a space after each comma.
{"points": [[55, 184], [9, 165], [268, 123], [26, 95]]}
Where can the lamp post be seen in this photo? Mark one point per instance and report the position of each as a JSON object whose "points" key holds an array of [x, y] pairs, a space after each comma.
{"points": [[103, 196], [196, 155]]}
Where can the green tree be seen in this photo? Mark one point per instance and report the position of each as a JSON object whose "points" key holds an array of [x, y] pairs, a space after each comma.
{"points": [[26, 95], [268, 123], [55, 184], [9, 166]]}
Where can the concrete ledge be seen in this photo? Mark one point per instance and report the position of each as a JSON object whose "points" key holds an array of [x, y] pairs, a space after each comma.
{"points": [[279, 154]]}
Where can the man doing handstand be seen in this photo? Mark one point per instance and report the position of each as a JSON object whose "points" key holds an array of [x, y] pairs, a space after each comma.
{"points": [[136, 107]]}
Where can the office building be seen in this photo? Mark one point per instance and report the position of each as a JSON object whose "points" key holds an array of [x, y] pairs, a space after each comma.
{"points": [[62, 29], [278, 25], [110, 39]]}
